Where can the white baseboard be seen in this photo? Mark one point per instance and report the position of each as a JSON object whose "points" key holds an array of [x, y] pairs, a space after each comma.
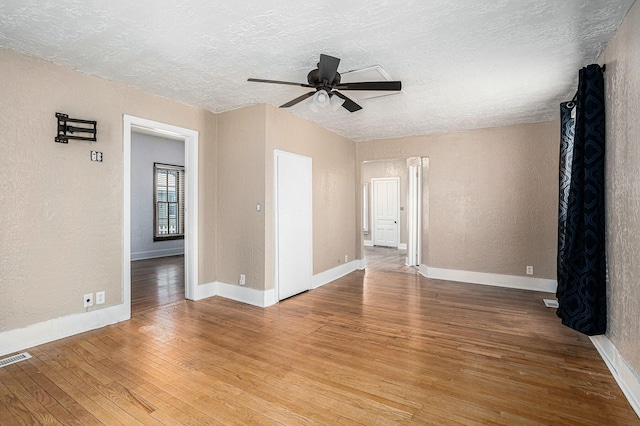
{"points": [[497, 280], [141, 255], [360, 264], [332, 274], [250, 296], [59, 328], [368, 243], [422, 270], [402, 246], [205, 290], [264, 298], [626, 378]]}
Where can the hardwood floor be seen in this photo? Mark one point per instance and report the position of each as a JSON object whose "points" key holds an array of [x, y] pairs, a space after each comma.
{"points": [[156, 282], [381, 346], [387, 259]]}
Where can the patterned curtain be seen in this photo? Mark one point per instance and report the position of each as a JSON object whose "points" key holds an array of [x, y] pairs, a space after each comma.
{"points": [[567, 132], [581, 232]]}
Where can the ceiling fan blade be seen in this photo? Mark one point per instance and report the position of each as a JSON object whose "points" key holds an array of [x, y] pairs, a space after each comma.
{"points": [[371, 85], [348, 104], [298, 99], [259, 80], [327, 68]]}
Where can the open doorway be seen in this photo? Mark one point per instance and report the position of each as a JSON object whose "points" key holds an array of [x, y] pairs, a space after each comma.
{"points": [[176, 269], [157, 219], [412, 207]]}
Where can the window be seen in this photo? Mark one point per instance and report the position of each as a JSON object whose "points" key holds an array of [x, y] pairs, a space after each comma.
{"points": [[168, 202]]}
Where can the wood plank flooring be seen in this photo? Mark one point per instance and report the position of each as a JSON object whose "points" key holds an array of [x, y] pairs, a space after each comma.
{"points": [[156, 282], [376, 347]]}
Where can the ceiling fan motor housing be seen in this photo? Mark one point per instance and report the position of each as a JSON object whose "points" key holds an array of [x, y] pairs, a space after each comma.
{"points": [[314, 80]]}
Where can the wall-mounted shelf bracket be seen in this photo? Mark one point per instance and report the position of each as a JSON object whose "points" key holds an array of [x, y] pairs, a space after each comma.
{"points": [[73, 128]]}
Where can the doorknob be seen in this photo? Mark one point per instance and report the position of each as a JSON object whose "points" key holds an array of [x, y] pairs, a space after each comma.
{"points": [[395, 221]]}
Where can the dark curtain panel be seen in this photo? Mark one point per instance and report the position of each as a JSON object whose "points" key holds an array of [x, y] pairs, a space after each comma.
{"points": [[581, 241], [567, 132]]}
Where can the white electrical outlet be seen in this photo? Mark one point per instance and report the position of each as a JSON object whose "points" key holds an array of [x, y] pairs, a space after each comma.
{"points": [[529, 270], [242, 280], [346, 258], [99, 297], [88, 300]]}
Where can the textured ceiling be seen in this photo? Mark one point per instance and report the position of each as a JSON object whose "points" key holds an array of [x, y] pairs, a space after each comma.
{"points": [[463, 64]]}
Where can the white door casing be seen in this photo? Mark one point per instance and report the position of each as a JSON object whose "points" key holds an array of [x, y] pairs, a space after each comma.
{"points": [[190, 138], [386, 213], [294, 224], [414, 214]]}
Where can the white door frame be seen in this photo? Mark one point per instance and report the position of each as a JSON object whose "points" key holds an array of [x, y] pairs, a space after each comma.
{"points": [[190, 138], [373, 207], [414, 213]]}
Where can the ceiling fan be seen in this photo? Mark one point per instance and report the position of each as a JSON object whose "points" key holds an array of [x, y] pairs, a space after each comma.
{"points": [[325, 80]]}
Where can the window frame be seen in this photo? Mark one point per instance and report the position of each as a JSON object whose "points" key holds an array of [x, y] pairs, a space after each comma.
{"points": [[180, 195]]}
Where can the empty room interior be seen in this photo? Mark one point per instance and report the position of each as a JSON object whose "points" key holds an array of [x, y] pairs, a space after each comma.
{"points": [[270, 212]]}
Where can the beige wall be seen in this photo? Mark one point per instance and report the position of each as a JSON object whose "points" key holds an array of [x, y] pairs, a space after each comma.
{"points": [[334, 187], [622, 103], [247, 138], [492, 196], [62, 213], [387, 169], [241, 185]]}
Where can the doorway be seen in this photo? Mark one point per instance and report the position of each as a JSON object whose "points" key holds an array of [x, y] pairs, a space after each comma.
{"points": [[157, 220], [412, 174], [190, 139], [293, 223]]}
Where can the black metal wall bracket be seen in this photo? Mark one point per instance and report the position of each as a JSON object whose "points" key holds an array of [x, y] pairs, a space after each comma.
{"points": [[66, 131]]}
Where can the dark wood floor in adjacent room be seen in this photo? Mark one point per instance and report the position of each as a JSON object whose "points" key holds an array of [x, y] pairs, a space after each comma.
{"points": [[156, 282], [381, 346]]}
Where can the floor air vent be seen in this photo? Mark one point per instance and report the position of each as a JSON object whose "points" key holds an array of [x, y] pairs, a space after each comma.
{"points": [[13, 359], [550, 303]]}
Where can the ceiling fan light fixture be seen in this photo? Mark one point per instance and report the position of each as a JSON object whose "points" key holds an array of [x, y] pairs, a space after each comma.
{"points": [[320, 99], [336, 102]]}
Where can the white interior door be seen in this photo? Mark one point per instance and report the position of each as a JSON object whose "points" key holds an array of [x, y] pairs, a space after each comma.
{"points": [[294, 225], [385, 211]]}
